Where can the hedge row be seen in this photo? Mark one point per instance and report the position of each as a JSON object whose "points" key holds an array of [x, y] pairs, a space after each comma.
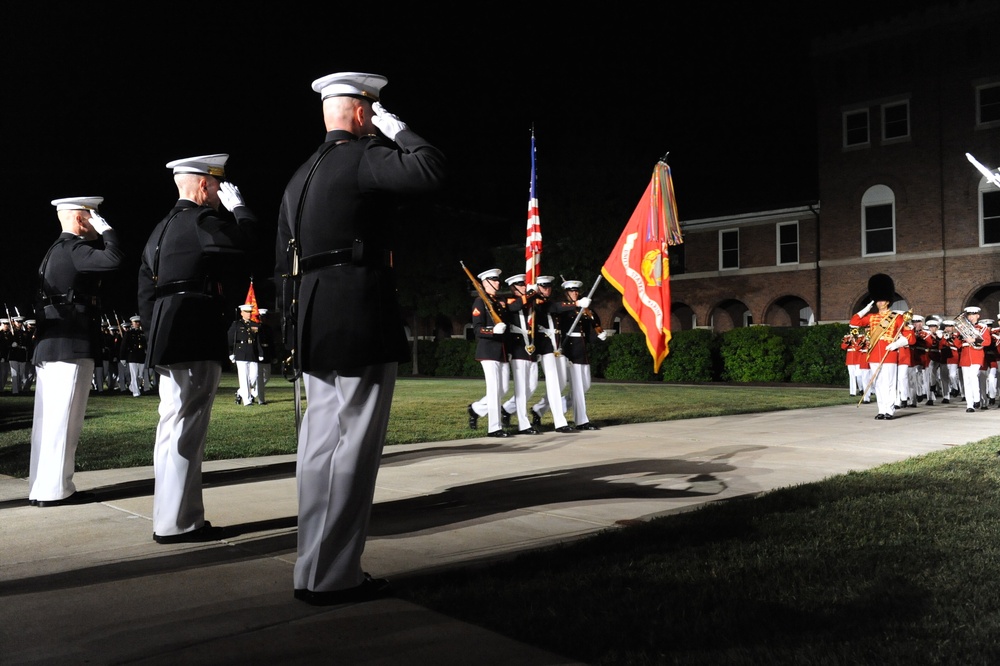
{"points": [[808, 355]]}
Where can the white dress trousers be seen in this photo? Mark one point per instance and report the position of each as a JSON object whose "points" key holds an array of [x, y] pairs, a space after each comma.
{"points": [[187, 391], [555, 379], [60, 405], [521, 371], [340, 448], [246, 373]]}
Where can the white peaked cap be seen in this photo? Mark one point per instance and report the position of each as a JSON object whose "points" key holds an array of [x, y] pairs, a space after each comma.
{"points": [[351, 84], [206, 165], [77, 203]]}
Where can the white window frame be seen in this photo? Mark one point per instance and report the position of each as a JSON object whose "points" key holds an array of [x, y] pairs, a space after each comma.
{"points": [[722, 234], [877, 195], [995, 122], [889, 105], [778, 243], [986, 187], [868, 128]]}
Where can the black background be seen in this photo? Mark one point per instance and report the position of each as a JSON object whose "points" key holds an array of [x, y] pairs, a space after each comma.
{"points": [[97, 100]]}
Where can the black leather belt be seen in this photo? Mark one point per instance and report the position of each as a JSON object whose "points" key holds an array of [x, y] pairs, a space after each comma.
{"points": [[205, 287], [69, 299], [346, 256]]}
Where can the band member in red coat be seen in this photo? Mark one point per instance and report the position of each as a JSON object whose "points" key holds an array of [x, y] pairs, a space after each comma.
{"points": [[972, 359], [850, 346], [884, 326]]}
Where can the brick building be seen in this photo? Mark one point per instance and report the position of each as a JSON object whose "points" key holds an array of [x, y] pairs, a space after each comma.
{"points": [[899, 104]]}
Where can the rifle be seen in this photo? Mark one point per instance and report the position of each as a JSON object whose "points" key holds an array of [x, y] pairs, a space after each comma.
{"points": [[482, 294], [578, 315]]}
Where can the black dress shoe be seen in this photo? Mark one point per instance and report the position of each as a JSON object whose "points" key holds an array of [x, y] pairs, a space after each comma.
{"points": [[566, 428], [529, 431], [505, 418], [889, 417], [536, 419], [473, 418], [76, 498], [498, 433], [880, 417], [586, 426], [370, 588], [969, 409], [204, 533]]}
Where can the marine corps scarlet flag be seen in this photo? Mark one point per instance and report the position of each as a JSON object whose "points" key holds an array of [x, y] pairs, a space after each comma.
{"points": [[252, 300], [639, 266]]}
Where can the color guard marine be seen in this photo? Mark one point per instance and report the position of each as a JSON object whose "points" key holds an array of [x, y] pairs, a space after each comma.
{"points": [[488, 323]]}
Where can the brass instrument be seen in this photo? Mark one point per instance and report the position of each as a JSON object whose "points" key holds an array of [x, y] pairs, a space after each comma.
{"points": [[968, 331]]}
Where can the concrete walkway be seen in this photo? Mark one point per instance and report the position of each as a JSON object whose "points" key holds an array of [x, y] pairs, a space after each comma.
{"points": [[87, 584]]}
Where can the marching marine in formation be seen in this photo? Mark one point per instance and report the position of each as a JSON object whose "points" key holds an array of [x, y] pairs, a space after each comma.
{"points": [[521, 354], [575, 345], [488, 313], [547, 341]]}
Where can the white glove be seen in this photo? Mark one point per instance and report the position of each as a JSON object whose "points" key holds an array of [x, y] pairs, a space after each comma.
{"points": [[939, 334], [260, 358], [498, 329], [583, 303], [603, 335], [232, 358], [897, 343], [863, 311], [99, 223], [389, 123], [531, 287], [230, 195]]}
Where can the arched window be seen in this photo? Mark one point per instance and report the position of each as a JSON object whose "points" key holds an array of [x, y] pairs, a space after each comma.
{"points": [[878, 221]]}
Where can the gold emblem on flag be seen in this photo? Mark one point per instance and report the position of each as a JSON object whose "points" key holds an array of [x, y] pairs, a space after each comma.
{"points": [[651, 268]]}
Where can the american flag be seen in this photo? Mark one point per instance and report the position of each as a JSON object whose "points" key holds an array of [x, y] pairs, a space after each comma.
{"points": [[533, 241]]}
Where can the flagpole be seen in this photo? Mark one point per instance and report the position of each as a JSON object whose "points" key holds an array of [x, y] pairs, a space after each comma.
{"points": [[578, 315]]}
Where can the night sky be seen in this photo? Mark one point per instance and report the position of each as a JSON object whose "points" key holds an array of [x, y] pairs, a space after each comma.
{"points": [[96, 101]]}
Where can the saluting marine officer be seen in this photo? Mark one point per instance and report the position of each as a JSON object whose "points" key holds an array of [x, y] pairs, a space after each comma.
{"points": [[69, 339], [183, 266], [339, 207]]}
